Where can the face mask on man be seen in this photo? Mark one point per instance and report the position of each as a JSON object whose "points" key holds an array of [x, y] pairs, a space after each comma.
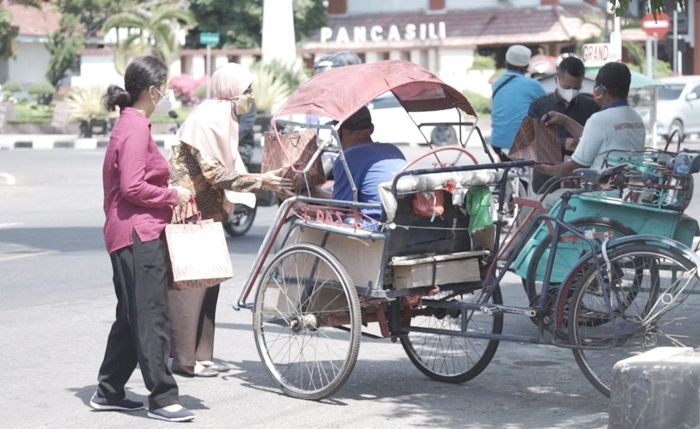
{"points": [[598, 93], [166, 102], [567, 94], [244, 103]]}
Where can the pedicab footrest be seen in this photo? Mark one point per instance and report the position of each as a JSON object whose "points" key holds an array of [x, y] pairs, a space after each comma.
{"points": [[434, 270]]}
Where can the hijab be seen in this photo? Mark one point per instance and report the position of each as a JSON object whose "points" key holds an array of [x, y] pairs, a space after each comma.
{"points": [[212, 127]]}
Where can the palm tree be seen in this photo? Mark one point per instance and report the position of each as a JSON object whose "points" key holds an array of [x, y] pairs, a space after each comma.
{"points": [[151, 32]]}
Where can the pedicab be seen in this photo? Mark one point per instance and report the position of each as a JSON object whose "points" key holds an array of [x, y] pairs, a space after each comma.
{"points": [[433, 281]]}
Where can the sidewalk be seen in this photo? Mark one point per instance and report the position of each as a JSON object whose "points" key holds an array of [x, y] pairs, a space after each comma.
{"points": [[67, 141]]}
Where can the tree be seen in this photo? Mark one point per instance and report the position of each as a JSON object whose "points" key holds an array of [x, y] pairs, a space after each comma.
{"points": [[92, 14], [655, 6], [63, 45], [152, 31], [240, 22]]}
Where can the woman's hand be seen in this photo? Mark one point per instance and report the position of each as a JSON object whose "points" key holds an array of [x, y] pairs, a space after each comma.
{"points": [[273, 181], [183, 196]]}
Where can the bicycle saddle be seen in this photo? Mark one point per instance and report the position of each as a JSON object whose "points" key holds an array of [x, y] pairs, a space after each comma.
{"points": [[587, 174]]}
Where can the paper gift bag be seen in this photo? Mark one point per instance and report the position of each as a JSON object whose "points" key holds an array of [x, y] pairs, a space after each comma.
{"points": [[198, 254], [293, 151], [536, 142]]}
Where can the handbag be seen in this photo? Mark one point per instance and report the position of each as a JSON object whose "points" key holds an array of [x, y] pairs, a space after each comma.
{"points": [[534, 141], [198, 252], [293, 151]]}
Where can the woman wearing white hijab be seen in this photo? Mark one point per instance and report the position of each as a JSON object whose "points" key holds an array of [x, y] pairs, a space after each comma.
{"points": [[207, 163]]}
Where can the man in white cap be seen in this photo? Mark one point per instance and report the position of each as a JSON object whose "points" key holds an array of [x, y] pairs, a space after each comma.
{"points": [[512, 94]]}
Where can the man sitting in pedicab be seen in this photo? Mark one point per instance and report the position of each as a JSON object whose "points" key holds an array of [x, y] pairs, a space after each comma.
{"points": [[617, 127], [370, 163]]}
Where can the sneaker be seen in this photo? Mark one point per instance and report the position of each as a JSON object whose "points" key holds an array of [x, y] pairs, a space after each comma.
{"points": [[100, 403], [214, 366], [172, 414]]}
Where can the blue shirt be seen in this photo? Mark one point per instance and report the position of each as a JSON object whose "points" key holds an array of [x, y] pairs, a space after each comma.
{"points": [[370, 164], [510, 106]]}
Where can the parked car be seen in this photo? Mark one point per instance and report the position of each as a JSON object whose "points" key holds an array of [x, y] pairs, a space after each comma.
{"points": [[678, 107]]}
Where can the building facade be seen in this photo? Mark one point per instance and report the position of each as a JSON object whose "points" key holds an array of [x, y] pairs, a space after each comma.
{"points": [[31, 59]]}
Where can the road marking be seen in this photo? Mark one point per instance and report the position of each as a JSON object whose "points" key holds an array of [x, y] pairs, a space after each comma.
{"points": [[26, 255], [10, 224], [9, 179]]}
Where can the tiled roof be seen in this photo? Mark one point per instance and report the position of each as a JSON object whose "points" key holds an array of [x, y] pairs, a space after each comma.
{"points": [[489, 26], [33, 21]]}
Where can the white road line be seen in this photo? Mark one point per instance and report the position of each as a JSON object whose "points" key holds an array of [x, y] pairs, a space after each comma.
{"points": [[26, 255], [10, 224], [8, 178]]}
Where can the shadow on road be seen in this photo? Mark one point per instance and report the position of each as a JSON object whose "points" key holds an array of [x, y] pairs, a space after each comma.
{"points": [[470, 404]]}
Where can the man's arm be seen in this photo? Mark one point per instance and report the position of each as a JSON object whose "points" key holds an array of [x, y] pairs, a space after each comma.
{"points": [[560, 170], [553, 118]]}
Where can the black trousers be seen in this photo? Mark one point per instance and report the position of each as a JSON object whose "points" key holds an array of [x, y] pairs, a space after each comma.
{"points": [[193, 317], [141, 332]]}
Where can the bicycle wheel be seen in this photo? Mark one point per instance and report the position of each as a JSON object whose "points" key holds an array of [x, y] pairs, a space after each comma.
{"points": [[448, 358], [652, 301], [239, 222], [304, 296], [533, 280]]}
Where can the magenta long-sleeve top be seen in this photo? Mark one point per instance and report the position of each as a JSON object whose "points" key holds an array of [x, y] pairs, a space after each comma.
{"points": [[135, 180]]}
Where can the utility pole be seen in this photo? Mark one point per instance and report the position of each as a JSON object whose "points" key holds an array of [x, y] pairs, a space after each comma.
{"points": [[675, 41]]}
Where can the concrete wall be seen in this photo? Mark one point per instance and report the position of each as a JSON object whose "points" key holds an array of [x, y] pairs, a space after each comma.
{"points": [[97, 70], [30, 63], [453, 66], [360, 7]]}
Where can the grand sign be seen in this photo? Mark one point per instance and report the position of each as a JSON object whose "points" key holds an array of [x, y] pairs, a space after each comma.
{"points": [[378, 33]]}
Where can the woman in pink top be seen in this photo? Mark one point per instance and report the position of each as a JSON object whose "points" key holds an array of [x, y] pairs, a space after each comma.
{"points": [[138, 205]]}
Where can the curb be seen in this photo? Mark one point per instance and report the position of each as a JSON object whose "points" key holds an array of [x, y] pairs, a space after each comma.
{"points": [[37, 142]]}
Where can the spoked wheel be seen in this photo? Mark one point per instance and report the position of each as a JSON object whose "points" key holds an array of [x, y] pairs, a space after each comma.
{"points": [[239, 222], [449, 358], [652, 301], [307, 322]]}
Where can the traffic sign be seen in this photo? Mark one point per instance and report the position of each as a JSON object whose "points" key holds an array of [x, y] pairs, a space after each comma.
{"points": [[656, 26], [208, 39]]}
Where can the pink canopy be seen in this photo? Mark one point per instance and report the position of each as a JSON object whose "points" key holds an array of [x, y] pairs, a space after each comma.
{"points": [[338, 93]]}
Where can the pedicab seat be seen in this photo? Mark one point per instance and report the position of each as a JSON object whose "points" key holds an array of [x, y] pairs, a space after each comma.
{"points": [[432, 182]]}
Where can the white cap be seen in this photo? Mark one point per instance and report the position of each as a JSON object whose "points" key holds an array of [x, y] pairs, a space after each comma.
{"points": [[518, 55]]}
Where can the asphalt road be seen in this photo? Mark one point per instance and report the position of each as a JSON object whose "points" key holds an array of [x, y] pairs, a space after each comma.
{"points": [[57, 304]]}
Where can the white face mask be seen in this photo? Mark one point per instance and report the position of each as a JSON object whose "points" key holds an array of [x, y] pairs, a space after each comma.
{"points": [[166, 103], [567, 94]]}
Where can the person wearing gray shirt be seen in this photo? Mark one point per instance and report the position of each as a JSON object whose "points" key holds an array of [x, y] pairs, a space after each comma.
{"points": [[616, 127]]}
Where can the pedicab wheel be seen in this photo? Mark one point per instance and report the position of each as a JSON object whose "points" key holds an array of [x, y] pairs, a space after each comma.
{"points": [[307, 322], [654, 299], [239, 222], [447, 358]]}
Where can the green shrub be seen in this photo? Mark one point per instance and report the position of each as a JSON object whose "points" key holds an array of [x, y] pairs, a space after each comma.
{"points": [[32, 113], [484, 62], [42, 92], [481, 104], [11, 87], [86, 104]]}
